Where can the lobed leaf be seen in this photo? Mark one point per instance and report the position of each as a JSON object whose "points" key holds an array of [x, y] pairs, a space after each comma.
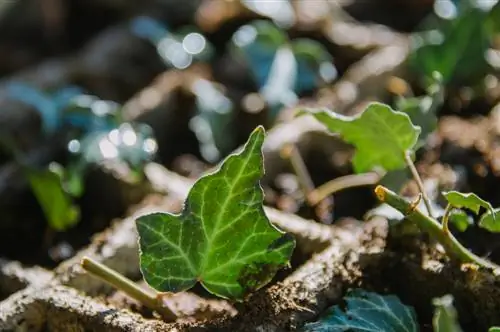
{"points": [[380, 134], [491, 220], [222, 238], [367, 312], [469, 201]]}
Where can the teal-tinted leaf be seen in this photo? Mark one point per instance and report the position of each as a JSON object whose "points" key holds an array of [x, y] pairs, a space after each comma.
{"points": [[258, 43], [213, 122], [314, 65], [367, 312], [381, 136], [460, 220], [445, 316], [222, 238], [132, 144], [56, 204], [469, 201], [490, 220]]}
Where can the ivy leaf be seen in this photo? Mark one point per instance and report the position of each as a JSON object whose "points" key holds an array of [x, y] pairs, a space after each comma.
{"points": [[460, 220], [469, 201], [367, 312], [445, 316], [222, 238], [380, 134], [491, 221], [56, 204]]}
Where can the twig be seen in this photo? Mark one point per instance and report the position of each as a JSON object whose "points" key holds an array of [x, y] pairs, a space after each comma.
{"points": [[433, 227], [419, 181]]}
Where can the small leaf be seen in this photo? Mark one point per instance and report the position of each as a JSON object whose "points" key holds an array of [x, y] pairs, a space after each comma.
{"points": [[445, 316], [56, 204], [460, 220], [367, 312], [381, 136], [494, 329], [222, 238], [490, 220], [469, 201]]}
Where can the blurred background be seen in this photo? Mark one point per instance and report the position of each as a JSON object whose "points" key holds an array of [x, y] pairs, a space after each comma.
{"points": [[92, 91]]}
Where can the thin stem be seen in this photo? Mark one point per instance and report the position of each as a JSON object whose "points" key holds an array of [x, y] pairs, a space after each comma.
{"points": [[291, 152], [340, 183], [433, 227], [419, 181], [446, 218], [115, 279]]}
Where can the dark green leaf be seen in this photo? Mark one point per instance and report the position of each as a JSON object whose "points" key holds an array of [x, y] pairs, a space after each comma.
{"points": [[367, 312], [469, 201], [57, 205], [460, 220], [445, 316], [381, 135], [222, 238]]}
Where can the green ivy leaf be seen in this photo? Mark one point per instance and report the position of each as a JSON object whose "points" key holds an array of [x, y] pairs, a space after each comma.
{"points": [[490, 220], [469, 201], [57, 205], [222, 238], [380, 134], [367, 312], [460, 220], [494, 329], [445, 316]]}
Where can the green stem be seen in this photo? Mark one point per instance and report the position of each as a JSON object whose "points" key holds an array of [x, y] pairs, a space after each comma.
{"points": [[419, 181], [115, 279], [340, 183], [291, 152], [446, 218], [433, 227]]}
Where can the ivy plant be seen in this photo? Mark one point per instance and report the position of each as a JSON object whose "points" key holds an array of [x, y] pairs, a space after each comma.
{"points": [[387, 138], [96, 135], [221, 239]]}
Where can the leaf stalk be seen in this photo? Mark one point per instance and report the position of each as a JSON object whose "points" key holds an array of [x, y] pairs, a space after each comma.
{"points": [[432, 227], [419, 182], [149, 298]]}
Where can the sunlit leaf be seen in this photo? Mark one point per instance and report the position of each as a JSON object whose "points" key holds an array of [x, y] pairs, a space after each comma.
{"points": [[222, 238], [490, 220], [367, 312], [469, 201], [381, 135]]}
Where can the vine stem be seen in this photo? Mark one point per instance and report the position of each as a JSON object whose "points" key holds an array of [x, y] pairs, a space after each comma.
{"points": [[433, 227], [291, 152], [340, 183], [446, 218], [419, 181], [117, 280]]}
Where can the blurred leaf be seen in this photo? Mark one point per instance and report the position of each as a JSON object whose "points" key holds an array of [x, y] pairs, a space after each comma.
{"points": [[490, 220], [212, 123], [132, 144], [314, 64], [455, 48], [445, 316], [367, 312], [460, 220], [469, 201], [56, 204], [258, 42], [381, 135], [494, 329], [422, 110], [396, 179]]}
